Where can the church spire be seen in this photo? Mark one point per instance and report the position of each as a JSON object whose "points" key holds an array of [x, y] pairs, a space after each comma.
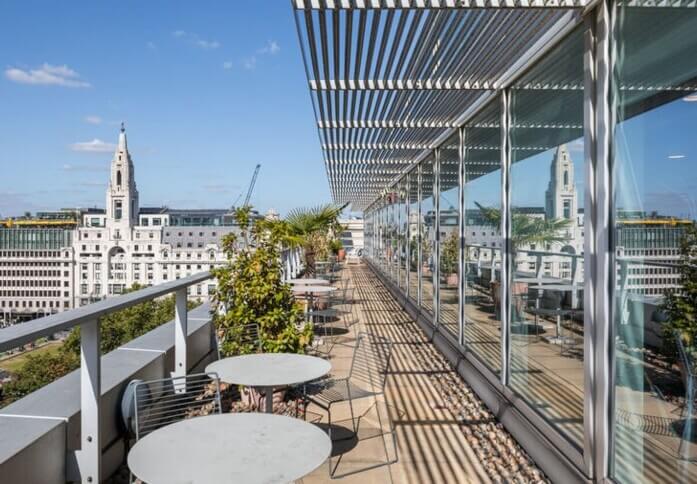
{"points": [[122, 194], [122, 138]]}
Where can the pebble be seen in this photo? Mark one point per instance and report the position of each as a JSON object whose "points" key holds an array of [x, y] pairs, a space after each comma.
{"points": [[502, 458]]}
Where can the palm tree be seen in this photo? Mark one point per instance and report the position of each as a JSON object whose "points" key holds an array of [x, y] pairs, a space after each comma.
{"points": [[312, 226], [525, 230]]}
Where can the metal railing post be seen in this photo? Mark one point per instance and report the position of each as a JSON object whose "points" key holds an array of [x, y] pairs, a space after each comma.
{"points": [[180, 333], [90, 456]]}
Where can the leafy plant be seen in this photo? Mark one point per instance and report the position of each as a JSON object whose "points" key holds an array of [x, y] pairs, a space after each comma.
{"points": [[312, 228], [680, 306], [335, 245], [448, 255], [250, 290]]}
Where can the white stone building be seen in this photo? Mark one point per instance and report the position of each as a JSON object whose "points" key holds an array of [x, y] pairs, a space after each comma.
{"points": [[130, 245], [62, 260]]}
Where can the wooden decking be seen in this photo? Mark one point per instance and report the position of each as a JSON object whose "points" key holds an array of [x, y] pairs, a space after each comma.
{"points": [[431, 445]]}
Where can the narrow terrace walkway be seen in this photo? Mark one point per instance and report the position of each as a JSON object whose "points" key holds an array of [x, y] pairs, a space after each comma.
{"points": [[444, 433]]}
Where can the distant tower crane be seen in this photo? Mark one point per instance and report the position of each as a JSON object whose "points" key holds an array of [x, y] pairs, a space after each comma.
{"points": [[251, 186]]}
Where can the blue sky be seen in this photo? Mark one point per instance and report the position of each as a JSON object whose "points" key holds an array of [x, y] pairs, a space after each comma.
{"points": [[207, 90]]}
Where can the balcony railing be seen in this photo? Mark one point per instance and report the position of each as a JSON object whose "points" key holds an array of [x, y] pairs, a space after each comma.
{"points": [[89, 455]]}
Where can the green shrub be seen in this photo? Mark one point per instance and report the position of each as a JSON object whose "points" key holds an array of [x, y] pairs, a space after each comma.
{"points": [[250, 290]]}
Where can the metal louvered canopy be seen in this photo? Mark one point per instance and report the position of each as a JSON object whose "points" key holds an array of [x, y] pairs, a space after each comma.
{"points": [[391, 78]]}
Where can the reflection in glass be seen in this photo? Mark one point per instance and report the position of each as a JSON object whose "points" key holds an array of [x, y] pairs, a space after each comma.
{"points": [[414, 235], [483, 236], [392, 248], [428, 234], [547, 187], [449, 234], [384, 239], [402, 231], [655, 206]]}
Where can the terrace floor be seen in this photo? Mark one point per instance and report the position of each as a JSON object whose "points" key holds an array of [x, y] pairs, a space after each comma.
{"points": [[443, 431]]}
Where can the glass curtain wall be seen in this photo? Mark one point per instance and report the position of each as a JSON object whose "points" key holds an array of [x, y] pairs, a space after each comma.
{"points": [[655, 244], [449, 234], [428, 223], [414, 235], [402, 233], [384, 239], [547, 191], [483, 235]]}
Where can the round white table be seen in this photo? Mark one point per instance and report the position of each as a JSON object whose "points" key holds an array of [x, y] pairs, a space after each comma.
{"points": [[269, 371], [308, 282], [230, 448]]}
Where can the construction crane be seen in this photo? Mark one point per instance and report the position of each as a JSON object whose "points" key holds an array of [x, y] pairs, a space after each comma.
{"points": [[251, 186]]}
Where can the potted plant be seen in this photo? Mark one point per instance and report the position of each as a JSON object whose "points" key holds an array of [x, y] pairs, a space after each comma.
{"points": [[448, 259], [251, 290], [525, 230], [312, 227], [337, 248]]}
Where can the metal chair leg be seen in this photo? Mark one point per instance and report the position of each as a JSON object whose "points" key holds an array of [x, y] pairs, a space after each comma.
{"points": [[353, 419]]}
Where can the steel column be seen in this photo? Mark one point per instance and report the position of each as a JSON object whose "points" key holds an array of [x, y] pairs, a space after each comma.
{"points": [[507, 255], [436, 239], [589, 247], [90, 455], [603, 258]]}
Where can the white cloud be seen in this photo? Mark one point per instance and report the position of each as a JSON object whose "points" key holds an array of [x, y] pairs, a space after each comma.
{"points": [[249, 63], [151, 45], [84, 168], [195, 40], [92, 119], [94, 146], [271, 48], [46, 75], [206, 44], [676, 157], [227, 65]]}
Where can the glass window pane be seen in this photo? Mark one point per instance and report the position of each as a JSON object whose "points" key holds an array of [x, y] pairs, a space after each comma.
{"points": [[449, 234], [414, 235], [402, 231], [655, 205], [483, 235], [428, 219], [384, 239], [547, 188]]}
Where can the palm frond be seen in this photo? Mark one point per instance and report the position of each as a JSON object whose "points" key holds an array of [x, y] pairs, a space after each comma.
{"points": [[306, 220]]}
